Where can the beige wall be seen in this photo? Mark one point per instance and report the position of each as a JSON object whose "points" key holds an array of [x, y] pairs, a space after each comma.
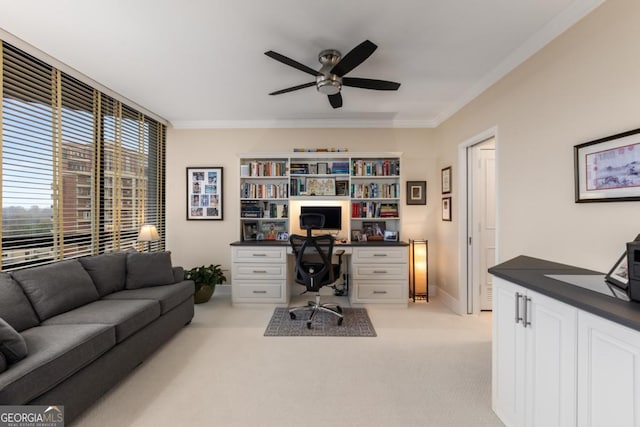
{"points": [[204, 242], [583, 86]]}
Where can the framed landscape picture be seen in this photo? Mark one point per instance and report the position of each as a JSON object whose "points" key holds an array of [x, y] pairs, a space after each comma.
{"points": [[204, 193]]}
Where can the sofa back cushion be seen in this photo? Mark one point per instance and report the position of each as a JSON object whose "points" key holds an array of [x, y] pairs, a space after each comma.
{"points": [[12, 345], [108, 271], [149, 269], [15, 308], [56, 288]]}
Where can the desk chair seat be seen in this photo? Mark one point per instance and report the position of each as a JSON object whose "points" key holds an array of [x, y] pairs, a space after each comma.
{"points": [[314, 268]]}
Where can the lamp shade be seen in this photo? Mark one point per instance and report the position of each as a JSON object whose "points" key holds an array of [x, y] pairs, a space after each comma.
{"points": [[148, 233]]}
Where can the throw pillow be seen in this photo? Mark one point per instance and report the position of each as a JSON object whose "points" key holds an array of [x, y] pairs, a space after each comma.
{"points": [[15, 308], [12, 345], [56, 288], [108, 271], [149, 269]]}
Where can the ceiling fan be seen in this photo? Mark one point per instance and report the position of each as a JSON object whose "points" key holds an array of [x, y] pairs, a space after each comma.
{"points": [[331, 76]]}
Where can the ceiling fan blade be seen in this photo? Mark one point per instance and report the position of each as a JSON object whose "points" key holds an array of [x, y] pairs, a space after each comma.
{"points": [[335, 100], [355, 57], [290, 62], [291, 89], [370, 83]]}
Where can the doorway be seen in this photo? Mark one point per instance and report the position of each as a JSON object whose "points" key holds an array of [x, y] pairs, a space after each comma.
{"points": [[481, 227]]}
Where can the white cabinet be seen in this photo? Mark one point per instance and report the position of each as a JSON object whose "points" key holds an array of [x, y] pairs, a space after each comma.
{"points": [[608, 373], [534, 358], [259, 275], [380, 275]]}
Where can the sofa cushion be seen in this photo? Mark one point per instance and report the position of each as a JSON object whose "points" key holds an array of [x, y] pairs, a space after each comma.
{"points": [[55, 353], [12, 345], [15, 308], [169, 296], [108, 271], [56, 288], [127, 317], [148, 269], [3, 363]]}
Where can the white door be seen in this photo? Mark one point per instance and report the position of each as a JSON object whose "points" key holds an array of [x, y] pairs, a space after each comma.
{"points": [[482, 221]]}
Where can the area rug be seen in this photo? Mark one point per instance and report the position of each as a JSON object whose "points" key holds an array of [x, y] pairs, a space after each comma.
{"points": [[356, 323]]}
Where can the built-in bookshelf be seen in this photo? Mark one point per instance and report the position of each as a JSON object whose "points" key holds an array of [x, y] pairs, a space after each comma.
{"points": [[273, 186]]}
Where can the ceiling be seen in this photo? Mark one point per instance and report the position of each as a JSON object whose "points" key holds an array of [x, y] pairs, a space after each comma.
{"points": [[201, 63]]}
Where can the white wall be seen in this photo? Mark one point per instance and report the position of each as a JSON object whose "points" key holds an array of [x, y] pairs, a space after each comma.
{"points": [[203, 242], [582, 86]]}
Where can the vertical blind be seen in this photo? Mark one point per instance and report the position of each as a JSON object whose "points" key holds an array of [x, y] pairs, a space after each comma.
{"points": [[80, 171]]}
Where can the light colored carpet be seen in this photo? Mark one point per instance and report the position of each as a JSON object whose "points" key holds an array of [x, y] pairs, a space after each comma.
{"points": [[427, 367]]}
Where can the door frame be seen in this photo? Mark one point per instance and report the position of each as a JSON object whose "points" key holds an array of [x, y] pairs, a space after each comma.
{"points": [[465, 271]]}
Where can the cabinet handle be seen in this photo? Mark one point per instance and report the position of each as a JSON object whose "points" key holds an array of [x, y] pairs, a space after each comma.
{"points": [[379, 254], [379, 292], [526, 321], [258, 254], [259, 292], [260, 271], [518, 296], [380, 271]]}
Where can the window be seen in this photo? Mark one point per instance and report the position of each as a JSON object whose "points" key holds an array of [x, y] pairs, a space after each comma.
{"points": [[81, 172]]}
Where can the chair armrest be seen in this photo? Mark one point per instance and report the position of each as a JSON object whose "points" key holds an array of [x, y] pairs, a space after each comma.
{"points": [[178, 274], [340, 252]]}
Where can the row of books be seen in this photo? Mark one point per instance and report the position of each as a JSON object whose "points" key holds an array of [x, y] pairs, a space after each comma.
{"points": [[320, 168], [249, 190], [389, 167], [375, 190], [254, 209], [264, 168], [374, 210]]}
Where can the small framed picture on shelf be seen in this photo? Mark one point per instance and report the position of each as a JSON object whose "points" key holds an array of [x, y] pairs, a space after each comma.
{"points": [[323, 168], [204, 193], [356, 235], [446, 180], [619, 274], [390, 236], [283, 235], [313, 169], [249, 230], [446, 208], [416, 192]]}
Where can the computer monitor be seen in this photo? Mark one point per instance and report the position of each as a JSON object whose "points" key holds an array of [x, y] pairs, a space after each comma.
{"points": [[332, 215]]}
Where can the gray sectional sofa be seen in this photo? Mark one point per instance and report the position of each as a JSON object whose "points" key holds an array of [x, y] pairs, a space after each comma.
{"points": [[71, 330]]}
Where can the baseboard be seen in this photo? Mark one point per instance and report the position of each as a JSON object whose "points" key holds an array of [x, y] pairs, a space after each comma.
{"points": [[448, 300]]}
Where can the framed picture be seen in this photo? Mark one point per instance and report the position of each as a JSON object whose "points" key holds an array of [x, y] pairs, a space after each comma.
{"points": [[416, 192], [390, 236], [321, 186], [608, 169], [204, 193], [446, 180], [283, 235], [249, 230], [356, 235], [446, 208], [323, 168], [374, 230], [619, 274]]}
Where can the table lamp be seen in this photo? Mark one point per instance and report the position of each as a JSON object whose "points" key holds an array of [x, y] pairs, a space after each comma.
{"points": [[148, 233]]}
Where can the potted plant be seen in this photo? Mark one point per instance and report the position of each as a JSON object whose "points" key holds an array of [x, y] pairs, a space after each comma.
{"points": [[205, 279]]}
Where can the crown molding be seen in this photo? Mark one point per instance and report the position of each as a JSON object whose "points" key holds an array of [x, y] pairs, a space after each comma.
{"points": [[301, 123], [562, 22]]}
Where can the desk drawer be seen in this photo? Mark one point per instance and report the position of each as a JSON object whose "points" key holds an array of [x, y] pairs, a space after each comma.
{"points": [[257, 292], [380, 254], [380, 271], [259, 272], [388, 290], [254, 254]]}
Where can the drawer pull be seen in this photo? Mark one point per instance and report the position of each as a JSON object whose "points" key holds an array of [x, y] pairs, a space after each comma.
{"points": [[260, 271], [380, 271], [379, 292], [258, 254], [379, 254], [259, 292]]}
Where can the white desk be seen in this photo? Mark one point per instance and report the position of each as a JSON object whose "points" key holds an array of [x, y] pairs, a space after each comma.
{"points": [[262, 272]]}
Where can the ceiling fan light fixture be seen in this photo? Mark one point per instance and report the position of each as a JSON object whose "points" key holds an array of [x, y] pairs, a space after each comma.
{"points": [[328, 86]]}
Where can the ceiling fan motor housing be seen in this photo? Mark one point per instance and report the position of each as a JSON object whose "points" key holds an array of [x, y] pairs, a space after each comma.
{"points": [[328, 83]]}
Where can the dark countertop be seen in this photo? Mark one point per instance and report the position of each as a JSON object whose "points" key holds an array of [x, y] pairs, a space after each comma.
{"points": [[530, 273], [372, 243]]}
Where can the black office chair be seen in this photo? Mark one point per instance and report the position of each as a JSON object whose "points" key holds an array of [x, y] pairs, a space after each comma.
{"points": [[314, 268]]}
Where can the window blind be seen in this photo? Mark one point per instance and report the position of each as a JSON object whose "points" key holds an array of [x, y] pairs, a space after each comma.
{"points": [[81, 172]]}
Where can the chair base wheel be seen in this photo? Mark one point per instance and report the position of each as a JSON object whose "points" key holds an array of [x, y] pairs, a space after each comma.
{"points": [[308, 324], [292, 316], [340, 319]]}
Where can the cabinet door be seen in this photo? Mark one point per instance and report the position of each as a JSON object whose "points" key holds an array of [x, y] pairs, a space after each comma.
{"points": [[508, 356], [608, 373], [551, 343]]}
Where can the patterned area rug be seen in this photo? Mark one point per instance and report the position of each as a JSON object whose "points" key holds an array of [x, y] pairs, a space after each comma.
{"points": [[356, 323]]}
